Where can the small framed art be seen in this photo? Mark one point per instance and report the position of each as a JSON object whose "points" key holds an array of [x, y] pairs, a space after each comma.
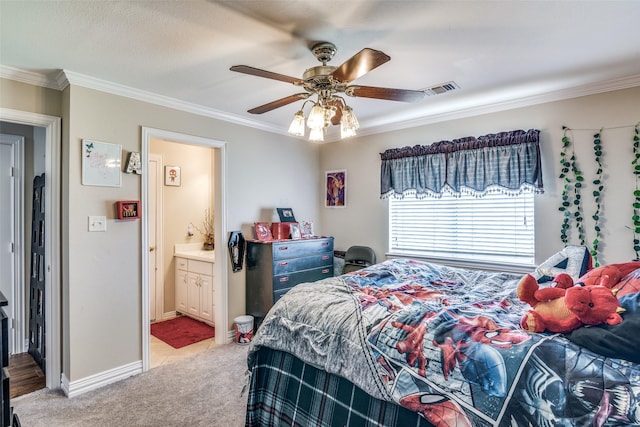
{"points": [[128, 209], [263, 232], [286, 215], [294, 229], [172, 176], [336, 189], [306, 229]]}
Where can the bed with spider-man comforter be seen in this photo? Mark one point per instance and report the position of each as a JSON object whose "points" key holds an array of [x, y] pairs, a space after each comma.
{"points": [[406, 342]]}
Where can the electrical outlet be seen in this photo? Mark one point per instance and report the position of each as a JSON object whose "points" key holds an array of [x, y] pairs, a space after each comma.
{"points": [[97, 223]]}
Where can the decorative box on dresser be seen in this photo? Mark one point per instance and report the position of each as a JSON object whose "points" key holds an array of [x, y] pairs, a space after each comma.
{"points": [[274, 267], [194, 283]]}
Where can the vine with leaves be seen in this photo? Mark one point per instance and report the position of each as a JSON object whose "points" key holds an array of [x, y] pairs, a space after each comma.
{"points": [[573, 178], [599, 187], [636, 193]]}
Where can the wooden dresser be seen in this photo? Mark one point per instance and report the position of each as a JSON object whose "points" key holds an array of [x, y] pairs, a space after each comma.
{"points": [[275, 267]]}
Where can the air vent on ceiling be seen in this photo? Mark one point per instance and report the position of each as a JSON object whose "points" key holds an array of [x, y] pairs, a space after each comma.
{"points": [[441, 88]]}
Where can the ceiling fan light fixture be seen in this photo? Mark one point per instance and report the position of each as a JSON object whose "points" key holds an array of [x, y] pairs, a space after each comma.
{"points": [[316, 117], [316, 134], [348, 123], [297, 124]]}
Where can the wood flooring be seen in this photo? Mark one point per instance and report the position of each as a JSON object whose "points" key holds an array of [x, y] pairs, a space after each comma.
{"points": [[25, 375]]}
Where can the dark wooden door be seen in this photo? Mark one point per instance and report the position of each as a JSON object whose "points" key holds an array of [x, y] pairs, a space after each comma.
{"points": [[37, 282]]}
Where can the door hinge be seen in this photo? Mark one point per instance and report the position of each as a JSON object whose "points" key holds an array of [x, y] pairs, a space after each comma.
{"points": [[13, 171], [13, 247]]}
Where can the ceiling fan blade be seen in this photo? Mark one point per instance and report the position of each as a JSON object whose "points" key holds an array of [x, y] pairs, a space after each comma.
{"points": [[279, 103], [360, 64], [266, 74], [404, 95]]}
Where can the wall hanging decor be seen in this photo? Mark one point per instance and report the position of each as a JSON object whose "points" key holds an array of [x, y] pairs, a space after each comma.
{"points": [[636, 193], [101, 163], [598, 186], [134, 164], [236, 250], [571, 206], [128, 209], [172, 176], [335, 188]]}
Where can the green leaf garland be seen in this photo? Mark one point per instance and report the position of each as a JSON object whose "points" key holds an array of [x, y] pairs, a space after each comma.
{"points": [[573, 179], [598, 188]]}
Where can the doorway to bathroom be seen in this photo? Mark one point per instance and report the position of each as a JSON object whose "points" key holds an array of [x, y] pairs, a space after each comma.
{"points": [[163, 224]]}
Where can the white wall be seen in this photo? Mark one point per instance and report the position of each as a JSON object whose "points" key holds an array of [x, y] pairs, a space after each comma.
{"points": [[612, 110]]}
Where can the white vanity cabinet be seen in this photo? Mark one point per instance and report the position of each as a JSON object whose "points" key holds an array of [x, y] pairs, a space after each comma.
{"points": [[194, 288]]}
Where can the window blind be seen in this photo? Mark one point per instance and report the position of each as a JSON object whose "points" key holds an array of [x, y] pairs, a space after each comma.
{"points": [[496, 228]]}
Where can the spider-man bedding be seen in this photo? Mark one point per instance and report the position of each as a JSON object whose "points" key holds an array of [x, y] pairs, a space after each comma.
{"points": [[441, 342]]}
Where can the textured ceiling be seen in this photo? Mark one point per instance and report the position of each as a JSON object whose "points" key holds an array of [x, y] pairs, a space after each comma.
{"points": [[498, 52]]}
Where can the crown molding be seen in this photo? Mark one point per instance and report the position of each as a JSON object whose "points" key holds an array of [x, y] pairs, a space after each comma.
{"points": [[36, 78], [508, 104], [63, 78]]}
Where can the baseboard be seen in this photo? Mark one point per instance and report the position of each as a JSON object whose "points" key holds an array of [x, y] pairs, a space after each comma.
{"points": [[78, 387]]}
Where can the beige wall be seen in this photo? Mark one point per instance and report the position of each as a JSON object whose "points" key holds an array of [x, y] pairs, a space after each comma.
{"points": [[104, 303], [614, 109]]}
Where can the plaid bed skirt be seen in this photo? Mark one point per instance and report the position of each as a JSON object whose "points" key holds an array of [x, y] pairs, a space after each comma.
{"points": [[285, 391]]}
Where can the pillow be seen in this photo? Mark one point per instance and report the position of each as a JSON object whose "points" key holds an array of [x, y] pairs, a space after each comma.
{"points": [[619, 341], [629, 284], [573, 260]]}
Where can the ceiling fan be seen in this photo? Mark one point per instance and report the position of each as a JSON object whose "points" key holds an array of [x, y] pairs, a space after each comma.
{"points": [[327, 82]]}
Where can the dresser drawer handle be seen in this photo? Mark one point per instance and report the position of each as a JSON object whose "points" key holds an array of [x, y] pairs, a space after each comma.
{"points": [[325, 243], [283, 248], [284, 279], [283, 263], [325, 271], [325, 257]]}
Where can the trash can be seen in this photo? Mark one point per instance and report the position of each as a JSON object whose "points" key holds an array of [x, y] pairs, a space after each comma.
{"points": [[244, 329]]}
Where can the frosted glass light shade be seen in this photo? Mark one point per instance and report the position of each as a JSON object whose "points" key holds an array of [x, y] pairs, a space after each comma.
{"points": [[348, 123], [297, 124], [316, 117], [316, 135]]}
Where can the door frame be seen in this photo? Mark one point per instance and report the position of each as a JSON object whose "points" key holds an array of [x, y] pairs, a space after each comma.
{"points": [[17, 297], [159, 302], [220, 213], [53, 247]]}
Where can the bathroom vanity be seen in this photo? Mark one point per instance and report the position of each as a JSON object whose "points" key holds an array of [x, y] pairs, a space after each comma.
{"points": [[194, 282]]}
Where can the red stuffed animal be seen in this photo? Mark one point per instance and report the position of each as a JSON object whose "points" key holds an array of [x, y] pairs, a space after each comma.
{"points": [[565, 307]]}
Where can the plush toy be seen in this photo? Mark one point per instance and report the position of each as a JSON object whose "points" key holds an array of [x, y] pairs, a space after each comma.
{"points": [[565, 307]]}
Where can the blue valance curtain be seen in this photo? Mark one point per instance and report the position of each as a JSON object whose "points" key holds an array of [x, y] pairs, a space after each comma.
{"points": [[508, 162]]}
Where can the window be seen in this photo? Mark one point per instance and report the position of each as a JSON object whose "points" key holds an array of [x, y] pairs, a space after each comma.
{"points": [[494, 229]]}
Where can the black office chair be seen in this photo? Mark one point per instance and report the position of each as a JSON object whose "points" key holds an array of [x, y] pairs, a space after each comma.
{"points": [[358, 257]]}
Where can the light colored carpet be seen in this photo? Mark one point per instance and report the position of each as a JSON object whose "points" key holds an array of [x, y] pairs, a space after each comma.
{"points": [[203, 390]]}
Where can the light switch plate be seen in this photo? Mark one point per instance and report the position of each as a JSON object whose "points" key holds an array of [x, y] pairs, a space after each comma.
{"points": [[97, 223]]}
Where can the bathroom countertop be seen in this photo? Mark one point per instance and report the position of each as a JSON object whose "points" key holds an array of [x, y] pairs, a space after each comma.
{"points": [[193, 251]]}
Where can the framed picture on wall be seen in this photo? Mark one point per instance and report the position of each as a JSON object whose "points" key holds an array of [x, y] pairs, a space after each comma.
{"points": [[335, 188], [172, 176], [101, 163]]}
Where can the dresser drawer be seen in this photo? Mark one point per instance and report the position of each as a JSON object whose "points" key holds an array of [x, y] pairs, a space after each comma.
{"points": [[201, 267], [284, 266], [285, 281], [298, 248]]}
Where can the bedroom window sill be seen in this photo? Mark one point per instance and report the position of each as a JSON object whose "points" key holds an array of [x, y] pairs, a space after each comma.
{"points": [[475, 265]]}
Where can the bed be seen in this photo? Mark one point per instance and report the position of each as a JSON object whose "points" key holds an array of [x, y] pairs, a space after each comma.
{"points": [[411, 343]]}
